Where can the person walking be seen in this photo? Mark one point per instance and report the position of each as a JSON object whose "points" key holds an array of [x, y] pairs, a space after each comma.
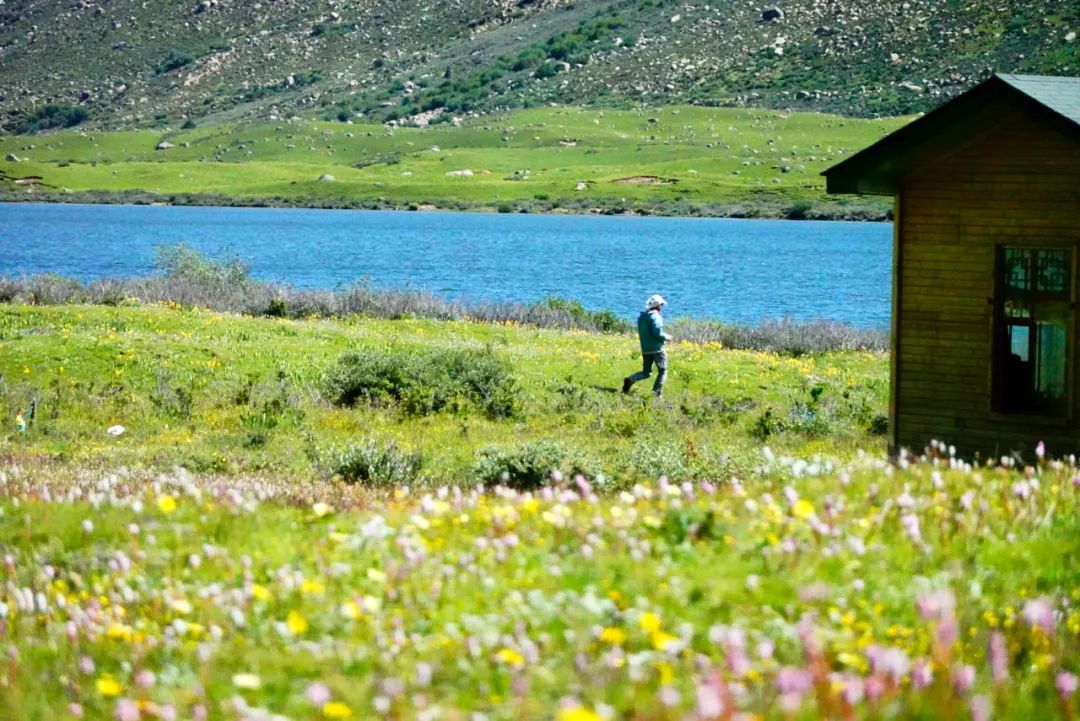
{"points": [[650, 325]]}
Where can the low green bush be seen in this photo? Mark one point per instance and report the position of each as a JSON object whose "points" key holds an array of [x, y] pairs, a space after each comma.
{"points": [[424, 381], [378, 464], [529, 466]]}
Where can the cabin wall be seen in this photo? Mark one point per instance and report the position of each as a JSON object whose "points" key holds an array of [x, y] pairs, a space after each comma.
{"points": [[1019, 185]]}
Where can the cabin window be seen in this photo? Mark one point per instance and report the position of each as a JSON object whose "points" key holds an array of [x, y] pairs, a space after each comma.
{"points": [[1033, 327]]}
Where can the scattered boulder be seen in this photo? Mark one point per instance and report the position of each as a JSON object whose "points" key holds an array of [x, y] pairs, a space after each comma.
{"points": [[908, 85], [466, 173], [165, 145], [326, 178], [582, 185], [770, 14], [12, 158]]}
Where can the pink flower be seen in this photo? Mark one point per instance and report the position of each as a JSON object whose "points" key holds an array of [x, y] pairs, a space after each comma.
{"points": [[922, 675], [144, 679], [910, 522], [317, 693], [75, 709], [875, 687], [127, 710], [854, 689], [999, 658], [934, 605], [963, 678], [791, 680], [1066, 684], [710, 697], [1039, 613], [980, 708]]}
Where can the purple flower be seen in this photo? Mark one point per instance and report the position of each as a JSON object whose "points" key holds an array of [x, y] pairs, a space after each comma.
{"points": [[710, 698], [922, 674], [963, 678], [791, 680]]}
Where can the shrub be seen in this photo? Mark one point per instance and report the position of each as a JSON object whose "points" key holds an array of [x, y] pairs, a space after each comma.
{"points": [[422, 382], [50, 116], [182, 262], [603, 320], [529, 466], [377, 464]]}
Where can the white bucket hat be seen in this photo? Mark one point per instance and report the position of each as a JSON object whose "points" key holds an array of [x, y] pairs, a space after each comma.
{"points": [[654, 301]]}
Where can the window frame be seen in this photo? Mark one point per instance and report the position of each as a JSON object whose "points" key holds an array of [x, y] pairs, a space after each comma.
{"points": [[998, 320]]}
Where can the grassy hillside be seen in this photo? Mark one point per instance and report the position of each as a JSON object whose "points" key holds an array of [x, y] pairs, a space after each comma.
{"points": [[127, 63], [678, 159], [217, 392]]}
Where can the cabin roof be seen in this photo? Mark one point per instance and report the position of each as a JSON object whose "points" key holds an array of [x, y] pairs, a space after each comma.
{"points": [[880, 168]]}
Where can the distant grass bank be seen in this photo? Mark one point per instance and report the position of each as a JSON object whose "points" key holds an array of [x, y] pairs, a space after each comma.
{"points": [[688, 161]]}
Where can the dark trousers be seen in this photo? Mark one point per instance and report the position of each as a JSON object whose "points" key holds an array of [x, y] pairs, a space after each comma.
{"points": [[647, 362]]}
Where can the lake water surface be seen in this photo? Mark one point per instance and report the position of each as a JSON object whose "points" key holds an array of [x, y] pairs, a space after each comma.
{"points": [[732, 270]]}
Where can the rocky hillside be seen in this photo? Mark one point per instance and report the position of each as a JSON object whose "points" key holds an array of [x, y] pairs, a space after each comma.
{"points": [[137, 63]]}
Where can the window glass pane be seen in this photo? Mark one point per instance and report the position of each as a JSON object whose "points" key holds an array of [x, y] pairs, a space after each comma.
{"points": [[1017, 268], [1050, 371], [1020, 342], [1053, 271], [1033, 322]]}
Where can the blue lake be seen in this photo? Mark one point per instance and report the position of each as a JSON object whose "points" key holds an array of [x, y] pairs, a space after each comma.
{"points": [[732, 270]]}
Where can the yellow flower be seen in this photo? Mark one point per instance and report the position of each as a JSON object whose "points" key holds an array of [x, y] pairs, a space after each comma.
{"points": [[311, 587], [661, 640], [259, 592], [577, 713], [667, 674], [649, 622], [166, 503], [108, 686], [803, 508], [296, 622], [336, 709], [351, 609], [321, 509], [614, 636], [510, 657]]}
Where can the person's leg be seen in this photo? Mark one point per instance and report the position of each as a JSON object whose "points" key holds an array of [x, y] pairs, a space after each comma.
{"points": [[661, 375], [645, 372]]}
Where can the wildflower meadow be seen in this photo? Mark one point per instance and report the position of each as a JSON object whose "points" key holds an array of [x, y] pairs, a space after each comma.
{"points": [[207, 516]]}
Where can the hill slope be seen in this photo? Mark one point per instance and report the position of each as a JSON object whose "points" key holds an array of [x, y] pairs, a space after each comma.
{"points": [[123, 63]]}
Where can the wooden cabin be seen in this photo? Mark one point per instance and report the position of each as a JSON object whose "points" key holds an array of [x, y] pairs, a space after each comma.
{"points": [[985, 353]]}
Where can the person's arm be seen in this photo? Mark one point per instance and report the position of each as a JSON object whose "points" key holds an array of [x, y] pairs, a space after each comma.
{"points": [[658, 327]]}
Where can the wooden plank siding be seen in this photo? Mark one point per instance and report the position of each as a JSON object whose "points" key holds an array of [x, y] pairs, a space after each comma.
{"points": [[1017, 185]]}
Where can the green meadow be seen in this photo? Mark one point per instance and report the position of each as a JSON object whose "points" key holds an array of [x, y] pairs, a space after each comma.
{"points": [[223, 393], [675, 160]]}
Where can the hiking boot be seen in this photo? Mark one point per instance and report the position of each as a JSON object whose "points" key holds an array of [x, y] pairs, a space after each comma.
{"points": [[626, 383]]}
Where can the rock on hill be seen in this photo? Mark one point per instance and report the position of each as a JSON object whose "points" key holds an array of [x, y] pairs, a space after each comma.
{"points": [[130, 63]]}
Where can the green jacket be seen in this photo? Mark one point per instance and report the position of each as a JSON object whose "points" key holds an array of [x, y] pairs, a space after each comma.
{"points": [[650, 328]]}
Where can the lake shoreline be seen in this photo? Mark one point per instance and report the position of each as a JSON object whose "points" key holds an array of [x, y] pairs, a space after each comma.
{"points": [[748, 210]]}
